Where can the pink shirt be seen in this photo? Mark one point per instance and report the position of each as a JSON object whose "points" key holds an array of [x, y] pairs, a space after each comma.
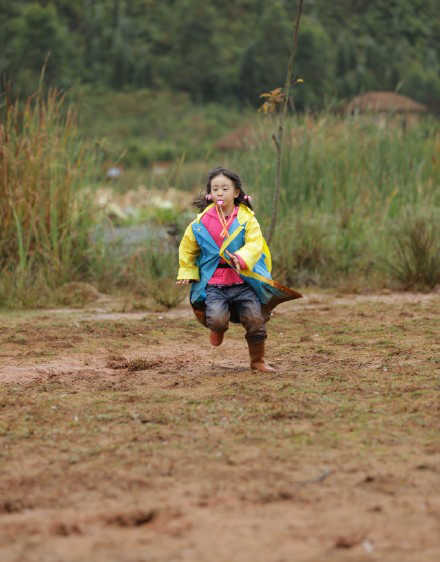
{"points": [[222, 275]]}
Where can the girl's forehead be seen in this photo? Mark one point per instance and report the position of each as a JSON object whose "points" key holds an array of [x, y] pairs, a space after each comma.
{"points": [[221, 180]]}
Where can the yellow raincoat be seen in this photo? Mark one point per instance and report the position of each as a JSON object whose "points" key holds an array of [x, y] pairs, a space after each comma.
{"points": [[199, 256]]}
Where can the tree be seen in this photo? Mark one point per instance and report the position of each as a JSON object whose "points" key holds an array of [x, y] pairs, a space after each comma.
{"points": [[264, 61], [196, 60], [315, 63], [39, 38], [215, 50]]}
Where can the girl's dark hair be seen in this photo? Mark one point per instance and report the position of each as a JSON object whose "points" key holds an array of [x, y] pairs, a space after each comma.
{"points": [[201, 203]]}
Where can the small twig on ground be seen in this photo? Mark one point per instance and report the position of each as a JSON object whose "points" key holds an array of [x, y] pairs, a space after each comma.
{"points": [[318, 479]]}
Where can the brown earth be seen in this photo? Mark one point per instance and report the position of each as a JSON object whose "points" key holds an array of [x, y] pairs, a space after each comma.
{"points": [[125, 437]]}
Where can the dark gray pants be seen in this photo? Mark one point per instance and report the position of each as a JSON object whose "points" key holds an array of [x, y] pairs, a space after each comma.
{"points": [[220, 300]]}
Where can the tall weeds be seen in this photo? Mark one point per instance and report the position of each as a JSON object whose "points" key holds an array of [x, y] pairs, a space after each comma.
{"points": [[415, 249], [43, 215], [341, 165], [344, 182], [353, 199]]}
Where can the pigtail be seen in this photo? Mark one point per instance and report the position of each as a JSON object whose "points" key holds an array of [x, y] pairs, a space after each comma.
{"points": [[202, 201], [243, 198]]}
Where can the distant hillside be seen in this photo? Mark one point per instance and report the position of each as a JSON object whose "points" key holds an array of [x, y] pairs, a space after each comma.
{"points": [[223, 51]]}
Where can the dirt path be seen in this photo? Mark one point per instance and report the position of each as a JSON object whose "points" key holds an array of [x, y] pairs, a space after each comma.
{"points": [[125, 437]]}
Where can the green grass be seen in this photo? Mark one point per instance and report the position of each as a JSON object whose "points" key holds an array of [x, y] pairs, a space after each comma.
{"points": [[350, 192], [139, 128], [359, 202]]}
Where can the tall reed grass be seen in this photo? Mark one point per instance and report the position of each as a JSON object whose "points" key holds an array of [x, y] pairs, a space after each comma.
{"points": [[334, 165], [44, 217], [347, 184], [354, 210]]}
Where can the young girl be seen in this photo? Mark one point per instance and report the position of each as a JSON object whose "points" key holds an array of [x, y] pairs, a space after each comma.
{"points": [[224, 255]]}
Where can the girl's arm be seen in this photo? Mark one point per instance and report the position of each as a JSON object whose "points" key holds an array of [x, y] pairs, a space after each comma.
{"points": [[188, 253], [253, 247]]}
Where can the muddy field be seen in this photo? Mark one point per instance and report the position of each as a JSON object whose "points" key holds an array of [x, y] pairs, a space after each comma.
{"points": [[126, 438]]}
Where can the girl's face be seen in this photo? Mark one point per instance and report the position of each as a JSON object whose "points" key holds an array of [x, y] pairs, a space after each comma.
{"points": [[223, 189]]}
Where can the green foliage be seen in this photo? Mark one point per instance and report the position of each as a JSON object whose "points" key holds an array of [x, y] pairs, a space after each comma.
{"points": [[315, 63], [138, 154], [187, 65], [344, 182], [378, 43], [264, 62], [265, 59], [39, 37], [303, 250], [421, 80], [161, 278], [146, 126], [145, 270], [24, 289], [318, 248], [333, 165], [415, 242], [217, 51], [153, 272]]}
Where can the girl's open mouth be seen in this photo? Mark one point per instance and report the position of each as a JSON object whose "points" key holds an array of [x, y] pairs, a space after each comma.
{"points": [[220, 202]]}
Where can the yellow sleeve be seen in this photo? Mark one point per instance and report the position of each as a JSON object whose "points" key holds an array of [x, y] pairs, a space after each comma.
{"points": [[253, 243], [188, 253]]}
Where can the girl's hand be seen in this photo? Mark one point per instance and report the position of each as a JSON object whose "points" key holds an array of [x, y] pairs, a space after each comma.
{"points": [[235, 261], [183, 282]]}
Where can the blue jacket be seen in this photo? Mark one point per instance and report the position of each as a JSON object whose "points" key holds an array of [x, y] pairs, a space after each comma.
{"points": [[199, 256]]}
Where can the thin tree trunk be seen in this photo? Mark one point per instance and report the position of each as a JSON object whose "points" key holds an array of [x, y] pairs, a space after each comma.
{"points": [[278, 137]]}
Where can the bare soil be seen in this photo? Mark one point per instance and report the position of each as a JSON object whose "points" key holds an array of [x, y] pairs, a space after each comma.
{"points": [[126, 438]]}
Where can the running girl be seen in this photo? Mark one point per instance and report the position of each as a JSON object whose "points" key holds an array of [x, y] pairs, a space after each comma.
{"points": [[225, 257]]}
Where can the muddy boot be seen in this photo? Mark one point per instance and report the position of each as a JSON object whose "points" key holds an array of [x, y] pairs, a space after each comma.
{"points": [[256, 353], [216, 338], [200, 315]]}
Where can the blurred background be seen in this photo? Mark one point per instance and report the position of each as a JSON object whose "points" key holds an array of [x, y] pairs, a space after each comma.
{"points": [[224, 52], [113, 112]]}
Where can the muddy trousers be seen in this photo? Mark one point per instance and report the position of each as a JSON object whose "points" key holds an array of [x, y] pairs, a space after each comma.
{"points": [[242, 300]]}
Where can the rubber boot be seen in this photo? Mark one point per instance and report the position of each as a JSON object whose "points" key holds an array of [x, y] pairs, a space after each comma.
{"points": [[200, 315], [216, 338], [256, 353]]}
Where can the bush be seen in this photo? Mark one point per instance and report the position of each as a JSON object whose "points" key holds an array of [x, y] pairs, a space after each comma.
{"points": [[38, 38], [303, 250], [161, 278], [315, 248], [143, 154], [415, 249], [149, 273], [24, 289]]}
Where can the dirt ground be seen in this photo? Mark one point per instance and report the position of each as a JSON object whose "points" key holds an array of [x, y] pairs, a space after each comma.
{"points": [[126, 438]]}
